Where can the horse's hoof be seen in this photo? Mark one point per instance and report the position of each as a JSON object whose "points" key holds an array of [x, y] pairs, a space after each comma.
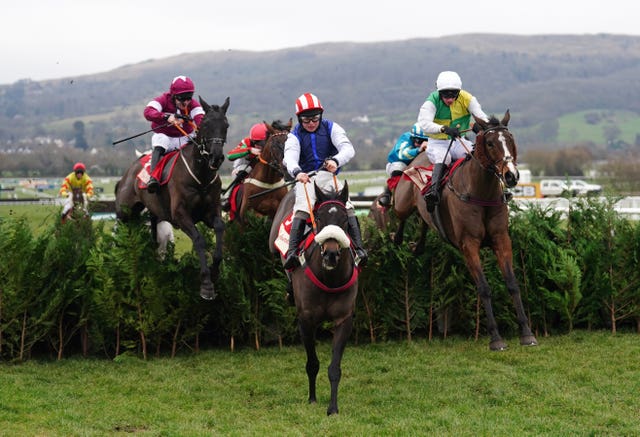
{"points": [[331, 411], [498, 345], [207, 293], [528, 340]]}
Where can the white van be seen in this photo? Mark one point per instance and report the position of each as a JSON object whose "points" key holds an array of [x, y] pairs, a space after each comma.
{"points": [[555, 188]]}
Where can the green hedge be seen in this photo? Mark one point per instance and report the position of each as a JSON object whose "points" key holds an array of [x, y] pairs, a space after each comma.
{"points": [[81, 288]]}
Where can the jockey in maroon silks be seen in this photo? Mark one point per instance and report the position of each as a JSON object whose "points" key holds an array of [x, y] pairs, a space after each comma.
{"points": [[175, 117]]}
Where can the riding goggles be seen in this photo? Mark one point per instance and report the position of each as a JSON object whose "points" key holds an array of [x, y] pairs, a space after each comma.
{"points": [[184, 97], [449, 94], [314, 119]]}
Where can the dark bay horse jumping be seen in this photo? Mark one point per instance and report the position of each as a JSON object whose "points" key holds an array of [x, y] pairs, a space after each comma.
{"points": [[473, 213], [325, 285], [192, 194], [265, 187]]}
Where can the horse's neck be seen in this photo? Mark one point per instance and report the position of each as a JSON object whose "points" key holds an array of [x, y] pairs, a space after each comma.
{"points": [[265, 173], [196, 166], [474, 179]]}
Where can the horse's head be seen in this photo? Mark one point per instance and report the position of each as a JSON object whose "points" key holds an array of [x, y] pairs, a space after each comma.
{"points": [[331, 225], [273, 151], [496, 149], [212, 133]]}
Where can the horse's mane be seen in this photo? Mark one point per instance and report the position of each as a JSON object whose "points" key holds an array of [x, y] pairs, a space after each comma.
{"points": [[280, 125]]}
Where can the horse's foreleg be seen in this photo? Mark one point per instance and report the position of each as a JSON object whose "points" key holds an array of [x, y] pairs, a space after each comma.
{"points": [[340, 337], [472, 259], [308, 335], [218, 227], [504, 256], [399, 236], [207, 291], [164, 235]]}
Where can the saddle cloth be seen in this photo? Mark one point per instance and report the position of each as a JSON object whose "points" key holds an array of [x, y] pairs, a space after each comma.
{"points": [[162, 172], [421, 175], [282, 240]]}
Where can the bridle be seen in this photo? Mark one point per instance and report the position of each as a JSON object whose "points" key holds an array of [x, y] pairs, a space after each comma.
{"points": [[273, 162], [497, 166]]}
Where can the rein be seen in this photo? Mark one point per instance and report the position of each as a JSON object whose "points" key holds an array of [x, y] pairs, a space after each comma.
{"points": [[312, 276], [491, 168]]}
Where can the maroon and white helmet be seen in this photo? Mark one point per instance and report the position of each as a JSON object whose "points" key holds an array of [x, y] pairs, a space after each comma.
{"points": [[181, 85]]}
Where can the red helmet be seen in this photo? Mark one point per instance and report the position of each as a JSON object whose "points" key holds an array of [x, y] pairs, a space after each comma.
{"points": [[308, 102], [78, 166], [181, 84], [258, 132]]}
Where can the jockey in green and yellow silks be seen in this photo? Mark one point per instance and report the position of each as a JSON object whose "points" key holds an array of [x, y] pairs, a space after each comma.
{"points": [[444, 114]]}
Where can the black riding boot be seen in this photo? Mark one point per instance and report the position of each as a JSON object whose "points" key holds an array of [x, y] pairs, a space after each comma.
{"points": [[356, 238], [433, 195], [153, 184], [385, 199], [295, 237]]}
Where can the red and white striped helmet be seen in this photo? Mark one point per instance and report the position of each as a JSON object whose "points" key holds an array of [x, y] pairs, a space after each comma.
{"points": [[308, 102]]}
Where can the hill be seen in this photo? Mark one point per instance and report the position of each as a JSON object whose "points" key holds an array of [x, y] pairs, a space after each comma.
{"points": [[541, 79]]}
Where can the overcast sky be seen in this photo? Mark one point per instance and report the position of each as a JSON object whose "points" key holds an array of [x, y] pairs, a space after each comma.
{"points": [[48, 39]]}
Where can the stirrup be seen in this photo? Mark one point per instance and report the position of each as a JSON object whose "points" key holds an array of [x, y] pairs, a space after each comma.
{"points": [[152, 185], [384, 200], [291, 261]]}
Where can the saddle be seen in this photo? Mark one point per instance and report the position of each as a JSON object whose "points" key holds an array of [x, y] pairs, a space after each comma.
{"points": [[282, 240], [421, 175], [162, 172]]}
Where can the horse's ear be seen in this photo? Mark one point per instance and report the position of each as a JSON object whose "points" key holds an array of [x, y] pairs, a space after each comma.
{"points": [[320, 196], [290, 125], [506, 118], [204, 104], [344, 193], [483, 124], [225, 105]]}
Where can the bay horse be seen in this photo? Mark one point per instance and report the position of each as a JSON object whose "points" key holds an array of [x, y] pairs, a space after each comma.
{"points": [[473, 214], [325, 285], [190, 196], [265, 187]]}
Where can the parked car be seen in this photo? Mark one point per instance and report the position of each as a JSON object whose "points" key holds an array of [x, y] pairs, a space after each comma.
{"points": [[555, 188], [583, 188]]}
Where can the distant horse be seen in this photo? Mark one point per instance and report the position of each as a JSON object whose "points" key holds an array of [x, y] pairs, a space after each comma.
{"points": [[191, 195], [325, 285], [264, 188], [473, 213], [80, 206]]}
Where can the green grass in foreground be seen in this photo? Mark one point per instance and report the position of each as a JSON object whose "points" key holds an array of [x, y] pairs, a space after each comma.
{"points": [[580, 384]]}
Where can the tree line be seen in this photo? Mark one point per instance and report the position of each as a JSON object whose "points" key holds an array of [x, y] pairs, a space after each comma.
{"points": [[83, 288]]}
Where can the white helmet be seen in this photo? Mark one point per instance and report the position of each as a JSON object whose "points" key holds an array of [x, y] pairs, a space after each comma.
{"points": [[448, 80]]}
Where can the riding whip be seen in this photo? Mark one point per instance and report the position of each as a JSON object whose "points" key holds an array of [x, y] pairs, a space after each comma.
{"points": [[140, 134], [312, 173]]}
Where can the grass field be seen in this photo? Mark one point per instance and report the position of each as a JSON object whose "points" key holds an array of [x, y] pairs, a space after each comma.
{"points": [[578, 384]]}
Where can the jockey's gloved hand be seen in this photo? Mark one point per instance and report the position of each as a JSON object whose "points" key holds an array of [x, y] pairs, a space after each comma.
{"points": [[453, 132], [242, 174], [476, 128], [183, 117]]}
